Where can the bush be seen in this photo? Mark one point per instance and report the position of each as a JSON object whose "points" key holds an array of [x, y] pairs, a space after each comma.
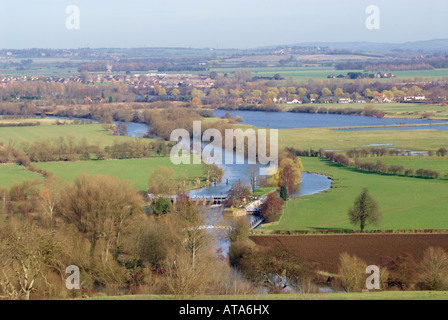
{"points": [[434, 270], [402, 271], [271, 208], [352, 271]]}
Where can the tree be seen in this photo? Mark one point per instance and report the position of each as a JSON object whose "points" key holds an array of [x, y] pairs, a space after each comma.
{"points": [[289, 173], [253, 177], [271, 207], [442, 152], [161, 206], [338, 92], [326, 92], [4, 197], [25, 253], [237, 193], [50, 194], [434, 269], [212, 172], [352, 272], [101, 207], [122, 129], [365, 210], [284, 193], [162, 181], [162, 92], [239, 229], [195, 102]]}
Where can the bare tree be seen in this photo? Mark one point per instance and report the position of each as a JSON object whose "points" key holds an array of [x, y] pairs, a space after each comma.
{"points": [[25, 253], [101, 207]]}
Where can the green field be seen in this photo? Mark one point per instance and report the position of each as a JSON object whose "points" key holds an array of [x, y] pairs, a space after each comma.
{"points": [[439, 164], [13, 173], [135, 170], [374, 295], [425, 139], [94, 133], [405, 203], [262, 191], [303, 74]]}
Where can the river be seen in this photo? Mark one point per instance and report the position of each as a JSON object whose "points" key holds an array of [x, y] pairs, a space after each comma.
{"points": [[292, 120], [311, 183]]}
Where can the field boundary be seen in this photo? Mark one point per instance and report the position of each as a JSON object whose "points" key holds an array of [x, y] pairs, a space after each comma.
{"points": [[263, 232]]}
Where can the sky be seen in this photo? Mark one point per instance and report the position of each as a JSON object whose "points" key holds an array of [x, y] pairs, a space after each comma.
{"points": [[219, 24]]}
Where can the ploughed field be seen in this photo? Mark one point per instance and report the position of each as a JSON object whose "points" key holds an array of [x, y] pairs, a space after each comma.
{"points": [[324, 250]]}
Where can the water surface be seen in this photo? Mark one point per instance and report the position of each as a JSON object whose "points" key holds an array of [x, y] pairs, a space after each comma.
{"points": [[292, 120]]}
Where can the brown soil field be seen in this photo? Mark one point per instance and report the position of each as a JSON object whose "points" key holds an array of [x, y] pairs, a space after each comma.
{"points": [[324, 250]]}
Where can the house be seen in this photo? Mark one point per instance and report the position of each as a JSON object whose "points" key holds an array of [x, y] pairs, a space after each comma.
{"points": [[381, 98], [280, 100], [409, 98], [294, 101], [344, 100], [331, 99]]}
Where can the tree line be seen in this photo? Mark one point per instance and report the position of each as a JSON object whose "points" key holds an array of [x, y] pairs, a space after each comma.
{"points": [[351, 159], [69, 149], [369, 111], [381, 167]]}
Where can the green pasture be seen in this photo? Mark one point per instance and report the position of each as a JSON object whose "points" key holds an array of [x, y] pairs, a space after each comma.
{"points": [[439, 164], [405, 202], [328, 139], [135, 170], [13, 173], [262, 191], [93, 133], [304, 74]]}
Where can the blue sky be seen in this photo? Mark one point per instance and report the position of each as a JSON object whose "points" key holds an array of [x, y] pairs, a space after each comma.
{"points": [[215, 23]]}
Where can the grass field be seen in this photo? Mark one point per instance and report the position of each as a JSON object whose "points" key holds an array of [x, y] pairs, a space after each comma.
{"points": [[374, 295], [425, 139], [439, 164], [405, 203], [136, 170], [94, 133], [262, 191], [13, 173], [44, 121], [303, 74]]}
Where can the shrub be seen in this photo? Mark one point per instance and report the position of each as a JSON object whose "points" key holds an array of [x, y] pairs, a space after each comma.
{"points": [[442, 152], [434, 270], [352, 272], [271, 208]]}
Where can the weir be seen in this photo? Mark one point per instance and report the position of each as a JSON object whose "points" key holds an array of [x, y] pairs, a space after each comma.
{"points": [[204, 200]]}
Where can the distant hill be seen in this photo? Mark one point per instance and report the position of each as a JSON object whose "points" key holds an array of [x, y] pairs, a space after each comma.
{"points": [[429, 45]]}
